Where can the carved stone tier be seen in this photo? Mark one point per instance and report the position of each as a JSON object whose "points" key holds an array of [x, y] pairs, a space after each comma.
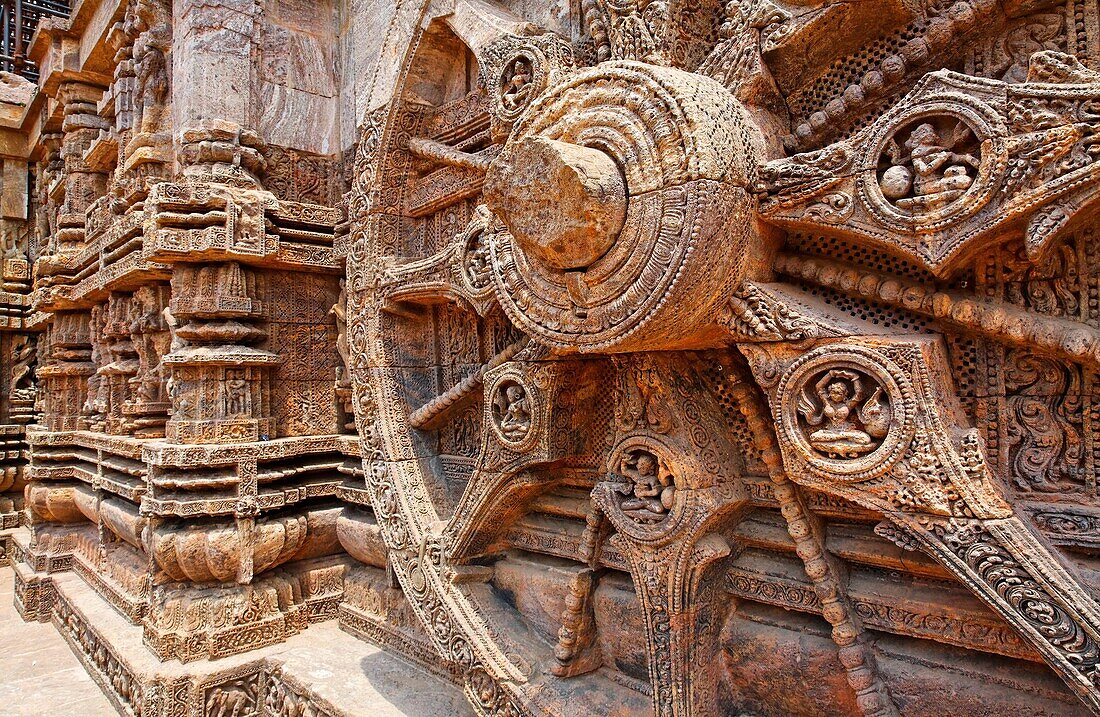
{"points": [[219, 385], [263, 564], [124, 251], [220, 395], [284, 679]]}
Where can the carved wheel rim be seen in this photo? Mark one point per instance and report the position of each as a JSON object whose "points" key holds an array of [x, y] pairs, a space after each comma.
{"points": [[419, 536]]}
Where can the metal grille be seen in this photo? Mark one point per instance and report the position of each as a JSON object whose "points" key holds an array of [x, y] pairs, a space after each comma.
{"points": [[18, 19]]}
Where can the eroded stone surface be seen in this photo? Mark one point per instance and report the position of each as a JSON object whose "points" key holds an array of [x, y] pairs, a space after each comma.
{"points": [[564, 204]]}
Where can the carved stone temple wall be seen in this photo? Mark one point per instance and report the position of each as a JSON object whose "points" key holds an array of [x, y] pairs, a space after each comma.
{"points": [[599, 357]]}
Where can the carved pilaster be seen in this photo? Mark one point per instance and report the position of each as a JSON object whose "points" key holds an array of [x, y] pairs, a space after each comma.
{"points": [[93, 411], [150, 335], [83, 185], [143, 76], [117, 375], [220, 383], [345, 411], [68, 365]]}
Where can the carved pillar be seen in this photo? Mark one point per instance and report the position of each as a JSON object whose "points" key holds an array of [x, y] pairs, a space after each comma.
{"points": [[18, 356], [65, 375], [93, 411], [345, 411], [23, 382], [18, 347], [48, 175], [146, 147], [14, 230], [149, 333], [219, 384]]}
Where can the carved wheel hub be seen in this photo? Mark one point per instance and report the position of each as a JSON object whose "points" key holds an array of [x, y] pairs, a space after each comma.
{"points": [[617, 188], [563, 203]]}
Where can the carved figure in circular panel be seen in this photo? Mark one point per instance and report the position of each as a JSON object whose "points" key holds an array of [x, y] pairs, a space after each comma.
{"points": [[517, 69], [512, 411], [849, 422], [516, 84], [475, 260], [933, 164], [647, 486], [847, 414], [929, 163]]}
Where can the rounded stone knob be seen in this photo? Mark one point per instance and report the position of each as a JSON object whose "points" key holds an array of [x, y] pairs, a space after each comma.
{"points": [[565, 204]]}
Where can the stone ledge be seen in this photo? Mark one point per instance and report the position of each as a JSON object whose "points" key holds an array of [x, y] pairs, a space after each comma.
{"points": [[328, 670]]}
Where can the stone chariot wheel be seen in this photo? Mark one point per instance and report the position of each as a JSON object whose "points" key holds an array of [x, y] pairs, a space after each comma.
{"points": [[573, 319]]}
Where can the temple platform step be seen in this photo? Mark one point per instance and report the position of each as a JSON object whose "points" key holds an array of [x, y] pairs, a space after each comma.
{"points": [[324, 669]]}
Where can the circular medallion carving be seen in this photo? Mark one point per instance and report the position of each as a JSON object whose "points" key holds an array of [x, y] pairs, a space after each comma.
{"points": [[515, 70], [847, 412], [516, 84], [646, 487], [929, 163], [477, 271], [513, 411], [932, 165]]}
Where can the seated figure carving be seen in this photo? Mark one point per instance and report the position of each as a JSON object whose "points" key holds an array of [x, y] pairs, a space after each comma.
{"points": [[854, 423], [648, 492], [512, 412], [933, 174], [517, 84]]}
